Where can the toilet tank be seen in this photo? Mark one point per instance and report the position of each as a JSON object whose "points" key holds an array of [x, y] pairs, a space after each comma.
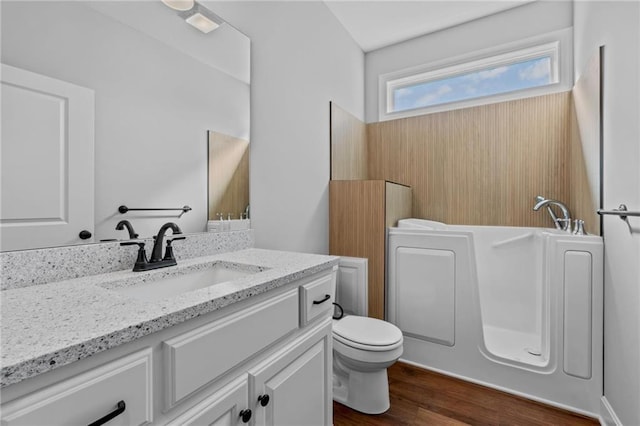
{"points": [[351, 285]]}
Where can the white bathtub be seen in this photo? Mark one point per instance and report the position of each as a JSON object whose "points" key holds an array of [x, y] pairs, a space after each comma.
{"points": [[518, 309]]}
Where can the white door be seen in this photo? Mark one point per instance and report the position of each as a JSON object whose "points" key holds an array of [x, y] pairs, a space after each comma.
{"points": [[47, 161]]}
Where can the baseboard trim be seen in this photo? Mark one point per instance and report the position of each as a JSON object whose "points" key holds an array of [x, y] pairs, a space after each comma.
{"points": [[608, 417]]}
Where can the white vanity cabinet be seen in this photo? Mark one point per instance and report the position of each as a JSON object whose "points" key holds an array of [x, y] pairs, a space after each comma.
{"points": [[216, 370]]}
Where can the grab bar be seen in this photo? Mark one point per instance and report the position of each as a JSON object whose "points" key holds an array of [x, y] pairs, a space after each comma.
{"points": [[620, 211], [512, 240]]}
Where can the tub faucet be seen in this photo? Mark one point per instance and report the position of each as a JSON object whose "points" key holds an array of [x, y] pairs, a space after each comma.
{"points": [[563, 223]]}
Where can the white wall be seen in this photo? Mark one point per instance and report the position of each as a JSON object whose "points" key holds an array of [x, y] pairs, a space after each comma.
{"points": [[301, 58], [519, 23], [154, 105], [616, 25]]}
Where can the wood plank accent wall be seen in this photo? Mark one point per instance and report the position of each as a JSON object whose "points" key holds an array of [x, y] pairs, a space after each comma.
{"points": [[348, 145], [478, 166], [474, 166], [358, 212], [584, 147], [228, 180]]}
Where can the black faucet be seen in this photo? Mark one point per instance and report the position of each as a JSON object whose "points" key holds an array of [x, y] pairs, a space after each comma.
{"points": [[157, 260], [156, 253], [126, 224]]}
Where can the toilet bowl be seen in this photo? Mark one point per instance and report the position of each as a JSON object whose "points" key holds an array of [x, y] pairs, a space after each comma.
{"points": [[363, 349]]}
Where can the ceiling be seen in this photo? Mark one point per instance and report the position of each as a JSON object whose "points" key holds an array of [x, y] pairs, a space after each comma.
{"points": [[375, 24]]}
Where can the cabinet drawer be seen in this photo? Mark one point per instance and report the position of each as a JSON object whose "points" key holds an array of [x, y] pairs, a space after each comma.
{"points": [[90, 396], [316, 298], [200, 356]]}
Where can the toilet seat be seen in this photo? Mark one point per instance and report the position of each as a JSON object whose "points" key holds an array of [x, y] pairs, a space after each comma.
{"points": [[368, 334]]}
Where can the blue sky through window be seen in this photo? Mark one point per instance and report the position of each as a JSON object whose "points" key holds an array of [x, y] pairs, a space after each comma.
{"points": [[502, 79]]}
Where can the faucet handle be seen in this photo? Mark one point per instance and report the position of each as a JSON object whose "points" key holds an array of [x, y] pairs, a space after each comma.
{"points": [[141, 261], [174, 238], [168, 253], [578, 228], [132, 243]]}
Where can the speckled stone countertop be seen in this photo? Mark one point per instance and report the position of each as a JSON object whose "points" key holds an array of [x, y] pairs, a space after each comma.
{"points": [[50, 325]]}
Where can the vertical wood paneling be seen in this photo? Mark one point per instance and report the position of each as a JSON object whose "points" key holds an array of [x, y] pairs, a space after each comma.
{"points": [[478, 166], [348, 146], [228, 179], [360, 211], [356, 228]]}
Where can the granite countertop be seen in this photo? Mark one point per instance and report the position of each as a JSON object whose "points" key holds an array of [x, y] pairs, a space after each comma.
{"points": [[50, 325]]}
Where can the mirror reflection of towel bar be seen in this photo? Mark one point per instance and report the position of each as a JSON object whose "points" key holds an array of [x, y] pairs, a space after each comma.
{"points": [[123, 209], [620, 211]]}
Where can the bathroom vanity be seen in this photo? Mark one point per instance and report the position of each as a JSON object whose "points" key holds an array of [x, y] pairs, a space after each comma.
{"points": [[255, 348]]}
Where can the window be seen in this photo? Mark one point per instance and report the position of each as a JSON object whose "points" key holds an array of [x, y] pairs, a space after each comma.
{"points": [[514, 73], [485, 82]]}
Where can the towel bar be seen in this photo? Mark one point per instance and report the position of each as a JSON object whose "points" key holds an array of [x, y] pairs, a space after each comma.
{"points": [[124, 209]]}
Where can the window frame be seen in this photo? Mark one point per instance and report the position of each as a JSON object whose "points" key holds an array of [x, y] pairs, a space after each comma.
{"points": [[557, 45]]}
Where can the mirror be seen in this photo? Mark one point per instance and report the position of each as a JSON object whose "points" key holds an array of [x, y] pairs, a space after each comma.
{"points": [[228, 177], [108, 104]]}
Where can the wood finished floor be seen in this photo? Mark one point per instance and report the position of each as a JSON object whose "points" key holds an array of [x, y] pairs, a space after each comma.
{"points": [[422, 397]]}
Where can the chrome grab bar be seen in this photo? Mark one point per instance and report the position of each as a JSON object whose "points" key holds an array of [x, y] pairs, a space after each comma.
{"points": [[620, 211]]}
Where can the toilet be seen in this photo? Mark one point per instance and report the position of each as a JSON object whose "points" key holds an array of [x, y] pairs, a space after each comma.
{"points": [[363, 349]]}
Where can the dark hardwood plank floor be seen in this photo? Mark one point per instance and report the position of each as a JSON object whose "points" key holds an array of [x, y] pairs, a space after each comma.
{"points": [[422, 397]]}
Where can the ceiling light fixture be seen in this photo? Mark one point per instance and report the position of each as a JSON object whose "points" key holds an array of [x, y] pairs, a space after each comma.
{"points": [[201, 22], [202, 18], [181, 5]]}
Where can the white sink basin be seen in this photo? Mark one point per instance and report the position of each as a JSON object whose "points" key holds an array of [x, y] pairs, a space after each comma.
{"points": [[183, 283]]}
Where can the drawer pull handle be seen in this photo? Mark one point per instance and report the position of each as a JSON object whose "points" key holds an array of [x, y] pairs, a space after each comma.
{"points": [[115, 413], [263, 400], [324, 299], [245, 415]]}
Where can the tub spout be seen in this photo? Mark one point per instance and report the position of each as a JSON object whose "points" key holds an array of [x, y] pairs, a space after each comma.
{"points": [[563, 223]]}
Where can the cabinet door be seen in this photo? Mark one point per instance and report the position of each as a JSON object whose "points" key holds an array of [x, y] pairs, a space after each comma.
{"points": [[297, 383], [223, 408]]}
